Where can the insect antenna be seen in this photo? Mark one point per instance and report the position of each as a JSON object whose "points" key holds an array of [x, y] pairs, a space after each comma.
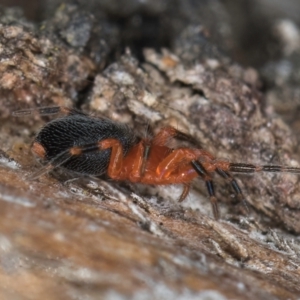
{"points": [[250, 168], [43, 111], [46, 111]]}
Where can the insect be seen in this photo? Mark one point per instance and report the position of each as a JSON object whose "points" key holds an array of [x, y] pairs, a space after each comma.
{"points": [[96, 146]]}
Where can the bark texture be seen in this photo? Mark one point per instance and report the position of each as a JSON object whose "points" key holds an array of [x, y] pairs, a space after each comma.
{"points": [[86, 238]]}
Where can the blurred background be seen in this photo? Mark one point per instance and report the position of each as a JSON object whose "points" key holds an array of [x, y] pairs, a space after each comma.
{"points": [[246, 27]]}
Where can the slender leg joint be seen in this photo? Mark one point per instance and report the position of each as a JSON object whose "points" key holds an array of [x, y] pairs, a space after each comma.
{"points": [[209, 186]]}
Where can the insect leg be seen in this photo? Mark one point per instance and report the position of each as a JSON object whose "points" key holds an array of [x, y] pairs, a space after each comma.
{"points": [[130, 166], [209, 185], [62, 158], [180, 158], [133, 163], [52, 164], [185, 192], [237, 190], [169, 132]]}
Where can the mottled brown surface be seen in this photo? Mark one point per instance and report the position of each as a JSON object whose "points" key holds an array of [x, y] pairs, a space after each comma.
{"points": [[34, 71], [95, 239], [60, 241]]}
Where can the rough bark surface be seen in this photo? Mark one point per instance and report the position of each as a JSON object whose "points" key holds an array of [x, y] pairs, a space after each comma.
{"points": [[87, 238]]}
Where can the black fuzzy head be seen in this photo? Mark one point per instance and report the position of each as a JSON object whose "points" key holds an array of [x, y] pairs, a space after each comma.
{"points": [[64, 133]]}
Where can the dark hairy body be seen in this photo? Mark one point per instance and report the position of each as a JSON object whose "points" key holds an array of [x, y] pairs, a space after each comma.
{"points": [[78, 130]]}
